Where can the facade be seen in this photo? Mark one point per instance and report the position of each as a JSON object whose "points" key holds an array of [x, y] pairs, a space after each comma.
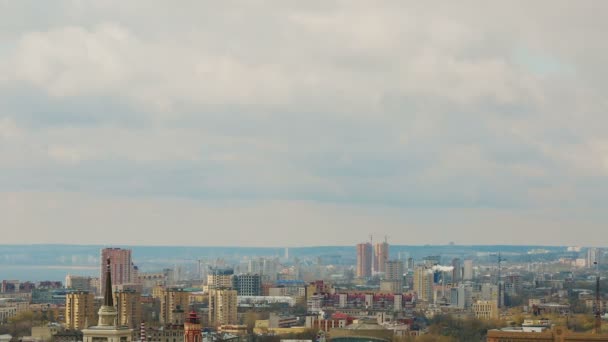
{"points": [[467, 272], [248, 284], [485, 309], [192, 328], [106, 329], [222, 306], [456, 271], [220, 278], [423, 283], [394, 271], [380, 256], [128, 304], [121, 266], [78, 283], [556, 334], [79, 310], [594, 255], [364, 260], [172, 300]]}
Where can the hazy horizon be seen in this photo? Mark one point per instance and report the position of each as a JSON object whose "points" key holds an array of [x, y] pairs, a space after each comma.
{"points": [[279, 123]]}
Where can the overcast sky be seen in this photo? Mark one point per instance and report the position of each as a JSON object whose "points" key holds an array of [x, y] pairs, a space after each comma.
{"points": [[289, 123]]}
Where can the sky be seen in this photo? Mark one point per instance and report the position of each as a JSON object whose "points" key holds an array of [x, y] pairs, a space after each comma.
{"points": [[299, 123]]}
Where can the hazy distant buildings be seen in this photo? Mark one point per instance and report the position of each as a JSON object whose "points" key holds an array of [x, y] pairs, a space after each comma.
{"points": [[456, 271], [121, 266], [467, 272], [381, 254], [594, 255], [364, 260], [79, 310]]}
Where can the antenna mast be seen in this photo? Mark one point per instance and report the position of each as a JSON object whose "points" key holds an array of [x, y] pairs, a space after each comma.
{"points": [[598, 313]]}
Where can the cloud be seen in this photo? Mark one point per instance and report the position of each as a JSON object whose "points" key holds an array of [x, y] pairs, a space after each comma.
{"points": [[454, 107]]}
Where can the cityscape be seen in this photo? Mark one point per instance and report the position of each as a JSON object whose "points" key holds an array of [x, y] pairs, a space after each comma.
{"points": [[303, 171], [372, 291]]}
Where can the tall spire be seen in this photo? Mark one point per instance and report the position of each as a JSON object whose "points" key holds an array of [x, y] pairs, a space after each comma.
{"points": [[107, 296]]}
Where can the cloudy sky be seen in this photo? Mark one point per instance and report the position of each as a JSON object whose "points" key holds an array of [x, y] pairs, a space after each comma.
{"points": [[287, 123]]}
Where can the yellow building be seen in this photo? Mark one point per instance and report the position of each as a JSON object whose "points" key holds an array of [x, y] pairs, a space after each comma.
{"points": [[79, 310], [423, 284], [128, 305], [556, 334], [486, 309], [171, 300], [222, 306]]}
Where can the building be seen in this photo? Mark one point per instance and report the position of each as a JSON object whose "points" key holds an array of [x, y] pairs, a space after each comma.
{"points": [[460, 297], [594, 256], [222, 307], [247, 284], [79, 310], [380, 256], [192, 328], [172, 300], [78, 283], [106, 329], [467, 270], [220, 278], [120, 264], [423, 283], [393, 272], [362, 332], [128, 305], [555, 334], [364, 260], [456, 271], [485, 309]]}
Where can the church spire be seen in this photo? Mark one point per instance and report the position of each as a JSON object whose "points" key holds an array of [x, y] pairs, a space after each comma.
{"points": [[107, 296]]}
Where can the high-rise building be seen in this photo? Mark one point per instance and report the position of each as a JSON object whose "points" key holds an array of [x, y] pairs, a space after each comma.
{"points": [[247, 284], [393, 277], [364, 260], [220, 278], [121, 266], [107, 328], [594, 255], [128, 305], [461, 296], [78, 283], [222, 306], [79, 310], [410, 264], [423, 283], [192, 328], [394, 270], [173, 300], [380, 256], [456, 271], [467, 273]]}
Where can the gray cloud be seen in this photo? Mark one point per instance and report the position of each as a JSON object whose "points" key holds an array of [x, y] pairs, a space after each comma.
{"points": [[496, 110]]}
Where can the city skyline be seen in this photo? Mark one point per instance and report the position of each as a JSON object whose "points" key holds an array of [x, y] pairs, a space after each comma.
{"points": [[275, 124]]}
